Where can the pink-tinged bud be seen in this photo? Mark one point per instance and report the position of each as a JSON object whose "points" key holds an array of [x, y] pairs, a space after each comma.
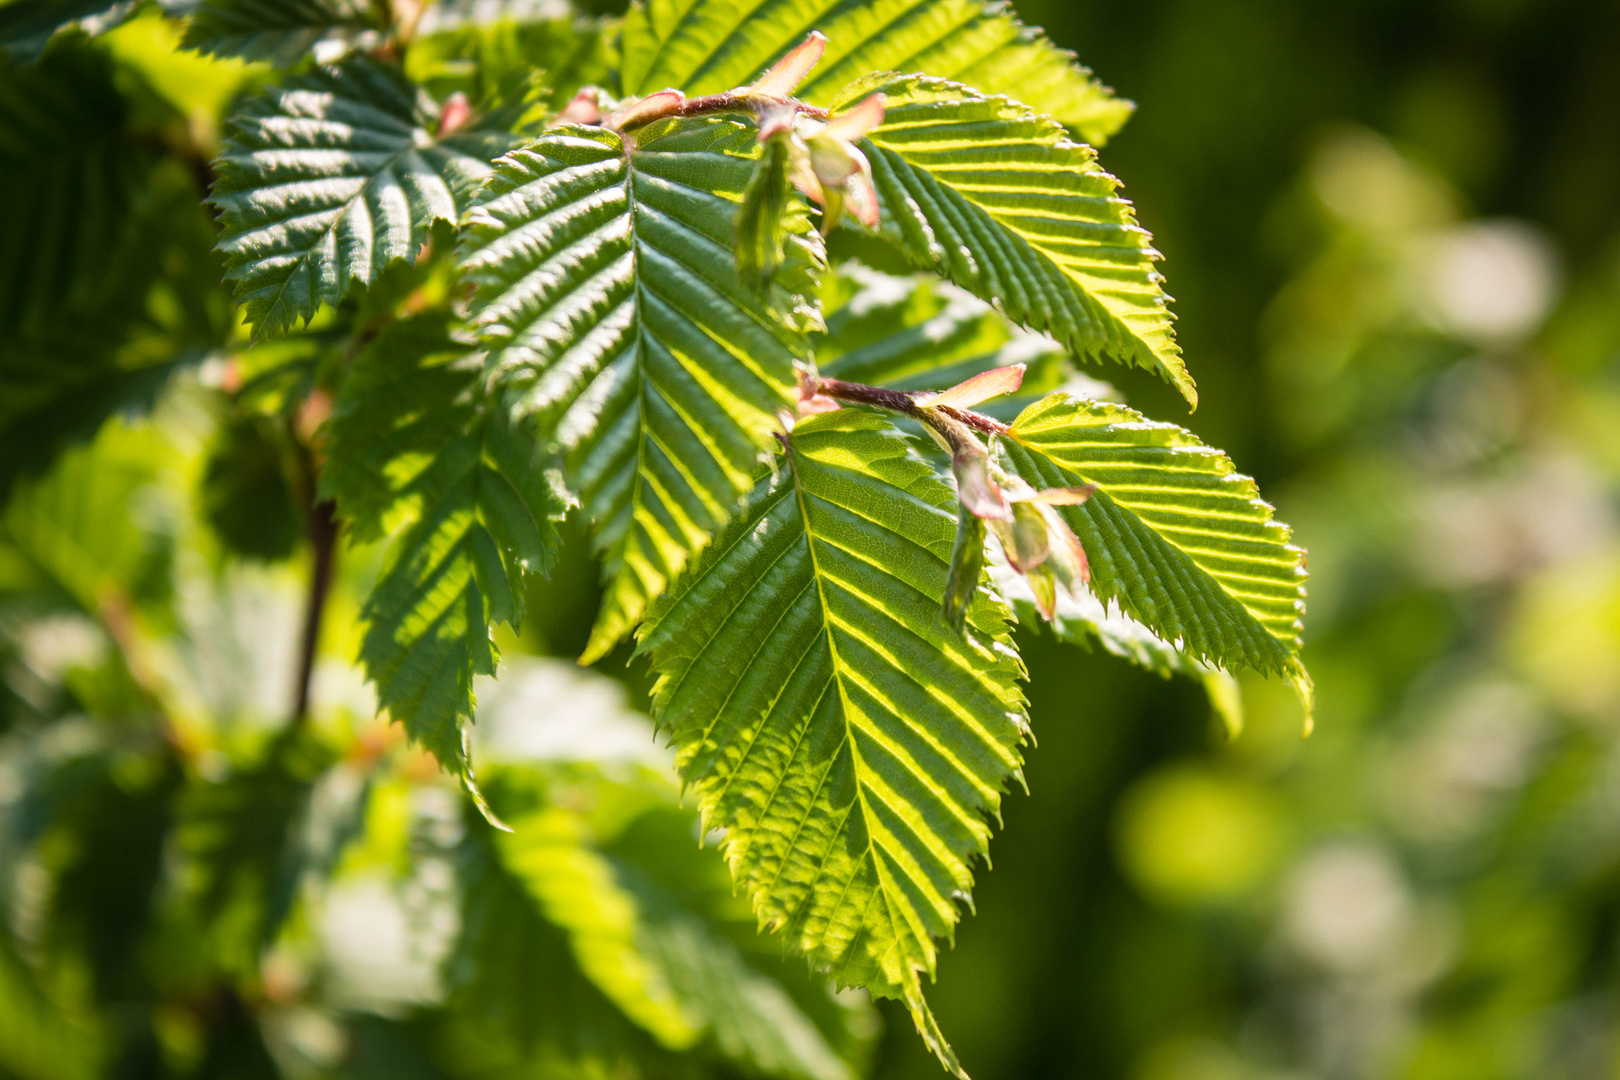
{"points": [[832, 161], [646, 110], [454, 114], [787, 73], [974, 488], [860, 192], [1043, 583], [1068, 557], [981, 387], [585, 108], [1039, 544], [1064, 496], [857, 122], [776, 120], [1031, 543], [816, 403]]}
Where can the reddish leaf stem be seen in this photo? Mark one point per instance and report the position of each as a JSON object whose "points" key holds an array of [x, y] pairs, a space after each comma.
{"points": [[717, 104]]}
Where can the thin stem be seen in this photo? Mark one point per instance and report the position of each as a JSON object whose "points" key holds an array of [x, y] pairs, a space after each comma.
{"points": [[883, 398], [717, 104], [323, 533], [942, 418], [977, 421]]}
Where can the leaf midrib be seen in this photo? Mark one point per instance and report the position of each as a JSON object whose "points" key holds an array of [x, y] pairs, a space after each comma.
{"points": [[848, 735]]}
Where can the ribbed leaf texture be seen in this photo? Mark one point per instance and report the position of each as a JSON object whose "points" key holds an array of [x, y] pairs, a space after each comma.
{"points": [[282, 32], [1085, 621], [615, 865], [850, 744], [1174, 533], [328, 177], [424, 452], [1000, 201], [518, 990], [920, 333], [609, 299], [713, 45]]}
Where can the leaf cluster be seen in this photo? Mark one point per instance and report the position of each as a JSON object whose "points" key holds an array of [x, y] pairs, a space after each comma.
{"points": [[475, 296]]}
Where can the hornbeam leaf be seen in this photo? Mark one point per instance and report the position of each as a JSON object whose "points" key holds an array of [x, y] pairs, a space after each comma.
{"points": [[516, 986], [1173, 532], [613, 863], [609, 300], [848, 740], [1081, 619], [328, 177], [421, 450], [919, 333], [997, 199], [404, 399], [720, 44], [282, 31]]}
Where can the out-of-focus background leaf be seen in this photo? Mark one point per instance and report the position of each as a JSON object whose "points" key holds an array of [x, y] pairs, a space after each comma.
{"points": [[1393, 230]]}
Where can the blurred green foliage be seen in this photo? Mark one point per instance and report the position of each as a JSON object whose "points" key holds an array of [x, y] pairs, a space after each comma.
{"points": [[1394, 233]]}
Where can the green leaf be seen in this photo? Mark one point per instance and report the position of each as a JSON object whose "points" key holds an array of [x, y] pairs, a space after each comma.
{"points": [[407, 396], [1085, 621], [415, 446], [617, 867], [1175, 535], [849, 742], [719, 44], [518, 990], [919, 333], [762, 232], [997, 199], [27, 26], [282, 31], [496, 63], [609, 300], [328, 178], [73, 180]]}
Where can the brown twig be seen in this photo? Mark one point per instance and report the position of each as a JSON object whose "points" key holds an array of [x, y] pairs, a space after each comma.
{"points": [[977, 421], [322, 530], [716, 105], [323, 534], [882, 397], [942, 418]]}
